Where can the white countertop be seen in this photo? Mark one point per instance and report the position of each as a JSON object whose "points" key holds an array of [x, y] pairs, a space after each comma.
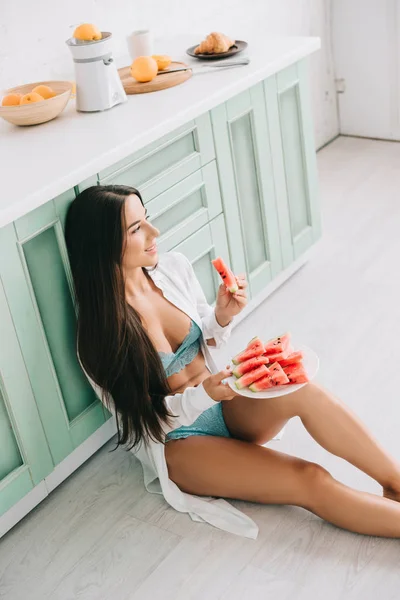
{"points": [[38, 163]]}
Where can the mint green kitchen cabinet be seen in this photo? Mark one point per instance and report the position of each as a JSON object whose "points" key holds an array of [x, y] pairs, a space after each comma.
{"points": [[245, 169], [37, 283], [288, 108], [24, 455], [160, 165]]}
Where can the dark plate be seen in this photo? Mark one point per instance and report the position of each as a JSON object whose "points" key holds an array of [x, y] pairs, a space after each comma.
{"points": [[238, 47]]}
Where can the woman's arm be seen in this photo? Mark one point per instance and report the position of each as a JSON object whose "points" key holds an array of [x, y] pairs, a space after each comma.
{"points": [[216, 328], [188, 405], [185, 407], [194, 400]]}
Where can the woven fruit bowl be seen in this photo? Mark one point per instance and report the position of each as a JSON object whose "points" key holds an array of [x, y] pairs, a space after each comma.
{"points": [[37, 112]]}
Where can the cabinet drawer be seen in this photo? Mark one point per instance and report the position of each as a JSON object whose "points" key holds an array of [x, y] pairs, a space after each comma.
{"points": [[169, 160], [200, 248], [186, 206]]}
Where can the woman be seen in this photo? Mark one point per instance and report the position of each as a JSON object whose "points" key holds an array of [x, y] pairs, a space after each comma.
{"points": [[143, 330]]}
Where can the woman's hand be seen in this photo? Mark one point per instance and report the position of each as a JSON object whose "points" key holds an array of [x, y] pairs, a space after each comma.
{"points": [[228, 305], [216, 389]]}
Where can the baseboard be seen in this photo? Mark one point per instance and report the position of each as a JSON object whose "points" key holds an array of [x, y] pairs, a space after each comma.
{"points": [[63, 470], [80, 454], [22, 508]]}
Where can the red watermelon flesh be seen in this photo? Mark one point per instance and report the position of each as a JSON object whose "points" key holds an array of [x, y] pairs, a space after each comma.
{"points": [[293, 358], [278, 344], [278, 375], [289, 369], [253, 342], [249, 365], [255, 350], [228, 278], [296, 373], [279, 355], [249, 378], [262, 384], [300, 378]]}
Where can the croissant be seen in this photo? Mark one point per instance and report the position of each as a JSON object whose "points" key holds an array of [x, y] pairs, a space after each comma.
{"points": [[215, 43]]}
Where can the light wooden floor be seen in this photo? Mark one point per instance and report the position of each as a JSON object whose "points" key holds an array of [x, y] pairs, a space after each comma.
{"points": [[101, 536]]}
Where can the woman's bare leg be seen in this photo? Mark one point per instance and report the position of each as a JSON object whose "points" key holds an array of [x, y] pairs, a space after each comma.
{"points": [[229, 468], [327, 419]]}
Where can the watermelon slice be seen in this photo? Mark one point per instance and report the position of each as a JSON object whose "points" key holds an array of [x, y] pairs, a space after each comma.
{"points": [[278, 375], [293, 358], [254, 341], [279, 356], [249, 365], [255, 349], [278, 344], [289, 369], [262, 384], [226, 275], [296, 373], [249, 378]]}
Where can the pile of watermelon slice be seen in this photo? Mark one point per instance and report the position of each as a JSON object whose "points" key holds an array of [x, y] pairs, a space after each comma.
{"points": [[262, 366]]}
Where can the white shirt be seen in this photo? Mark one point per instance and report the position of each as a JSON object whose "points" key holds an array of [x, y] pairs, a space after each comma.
{"points": [[175, 276]]}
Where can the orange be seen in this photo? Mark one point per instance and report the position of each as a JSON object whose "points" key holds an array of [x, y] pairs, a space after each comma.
{"points": [[32, 97], [163, 61], [45, 91], [87, 32], [11, 99], [144, 68]]}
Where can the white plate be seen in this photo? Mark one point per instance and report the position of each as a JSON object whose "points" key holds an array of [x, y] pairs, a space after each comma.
{"points": [[311, 365]]}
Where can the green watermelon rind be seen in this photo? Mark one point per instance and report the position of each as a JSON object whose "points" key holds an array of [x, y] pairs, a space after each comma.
{"points": [[253, 388], [229, 279], [237, 372], [247, 377], [248, 348]]}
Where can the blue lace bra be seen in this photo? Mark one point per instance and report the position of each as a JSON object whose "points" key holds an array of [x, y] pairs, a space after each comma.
{"points": [[173, 362]]}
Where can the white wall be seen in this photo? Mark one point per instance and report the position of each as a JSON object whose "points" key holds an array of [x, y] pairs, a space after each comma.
{"points": [[32, 35], [366, 42]]}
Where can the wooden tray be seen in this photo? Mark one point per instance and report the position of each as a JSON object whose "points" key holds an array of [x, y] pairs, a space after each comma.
{"points": [[161, 82]]}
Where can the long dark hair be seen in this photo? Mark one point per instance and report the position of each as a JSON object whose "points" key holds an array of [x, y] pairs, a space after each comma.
{"points": [[113, 345]]}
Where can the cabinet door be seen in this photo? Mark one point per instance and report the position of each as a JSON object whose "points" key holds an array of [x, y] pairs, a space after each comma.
{"points": [[25, 459], [186, 207], [245, 168], [295, 171], [200, 248], [36, 277]]}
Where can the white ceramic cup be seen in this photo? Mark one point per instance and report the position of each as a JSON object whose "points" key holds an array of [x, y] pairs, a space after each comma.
{"points": [[140, 43]]}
